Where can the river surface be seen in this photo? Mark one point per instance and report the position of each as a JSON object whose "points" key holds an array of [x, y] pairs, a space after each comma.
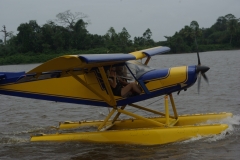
{"points": [[21, 117]]}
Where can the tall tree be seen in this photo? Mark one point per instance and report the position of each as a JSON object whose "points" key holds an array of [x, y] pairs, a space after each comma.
{"points": [[229, 17], [69, 19], [29, 37], [111, 33], [138, 41], [124, 37], [196, 32], [232, 27], [188, 34], [6, 34], [111, 38], [80, 35], [221, 24], [147, 36]]}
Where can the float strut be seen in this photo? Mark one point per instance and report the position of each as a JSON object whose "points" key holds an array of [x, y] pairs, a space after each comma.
{"points": [[149, 110], [106, 119], [140, 117], [173, 106], [118, 114], [166, 110]]}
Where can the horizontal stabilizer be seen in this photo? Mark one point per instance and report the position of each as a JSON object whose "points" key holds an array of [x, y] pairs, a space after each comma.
{"points": [[10, 77]]}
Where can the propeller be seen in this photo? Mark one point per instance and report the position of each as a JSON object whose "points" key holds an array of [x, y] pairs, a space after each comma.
{"points": [[200, 70]]}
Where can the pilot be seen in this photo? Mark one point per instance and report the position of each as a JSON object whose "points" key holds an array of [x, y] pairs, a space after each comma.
{"points": [[120, 87], [121, 71]]}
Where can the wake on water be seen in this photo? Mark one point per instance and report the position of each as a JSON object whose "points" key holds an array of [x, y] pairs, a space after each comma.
{"points": [[232, 123]]}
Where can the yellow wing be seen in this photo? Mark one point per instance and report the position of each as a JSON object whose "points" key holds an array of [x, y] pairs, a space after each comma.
{"points": [[69, 62]]}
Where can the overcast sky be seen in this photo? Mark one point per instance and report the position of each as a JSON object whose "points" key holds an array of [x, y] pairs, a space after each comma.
{"points": [[163, 17]]}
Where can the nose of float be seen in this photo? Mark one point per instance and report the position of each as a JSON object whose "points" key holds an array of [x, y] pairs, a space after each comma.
{"points": [[202, 69]]}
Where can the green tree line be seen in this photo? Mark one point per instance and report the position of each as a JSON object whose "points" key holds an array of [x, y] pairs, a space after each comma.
{"points": [[224, 34], [68, 34]]}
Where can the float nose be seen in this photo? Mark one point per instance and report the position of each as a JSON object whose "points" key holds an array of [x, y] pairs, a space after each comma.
{"points": [[202, 69]]}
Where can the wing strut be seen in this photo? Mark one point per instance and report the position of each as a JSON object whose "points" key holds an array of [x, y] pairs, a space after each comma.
{"points": [[107, 85], [148, 59], [110, 102]]}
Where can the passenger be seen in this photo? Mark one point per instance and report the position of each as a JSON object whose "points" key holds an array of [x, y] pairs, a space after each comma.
{"points": [[120, 87]]}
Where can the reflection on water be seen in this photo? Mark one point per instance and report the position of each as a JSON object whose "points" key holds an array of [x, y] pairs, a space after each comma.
{"points": [[22, 117]]}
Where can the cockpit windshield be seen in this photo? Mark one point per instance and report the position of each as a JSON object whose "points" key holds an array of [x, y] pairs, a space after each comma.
{"points": [[137, 68], [129, 69]]}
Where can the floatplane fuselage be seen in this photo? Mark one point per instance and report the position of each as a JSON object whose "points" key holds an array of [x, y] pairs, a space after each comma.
{"points": [[83, 79]]}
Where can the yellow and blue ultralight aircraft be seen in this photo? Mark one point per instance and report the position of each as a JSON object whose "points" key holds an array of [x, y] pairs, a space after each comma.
{"points": [[83, 79]]}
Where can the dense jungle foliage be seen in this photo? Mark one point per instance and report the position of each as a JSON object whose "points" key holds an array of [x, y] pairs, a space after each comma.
{"points": [[68, 34]]}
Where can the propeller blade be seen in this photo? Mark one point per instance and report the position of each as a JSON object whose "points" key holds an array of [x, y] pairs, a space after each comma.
{"points": [[200, 69], [199, 62], [205, 77], [199, 82]]}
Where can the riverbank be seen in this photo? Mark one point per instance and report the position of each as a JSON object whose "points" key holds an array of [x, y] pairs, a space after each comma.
{"points": [[31, 58]]}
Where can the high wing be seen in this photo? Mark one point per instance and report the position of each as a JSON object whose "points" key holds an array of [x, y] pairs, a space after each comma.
{"points": [[94, 60]]}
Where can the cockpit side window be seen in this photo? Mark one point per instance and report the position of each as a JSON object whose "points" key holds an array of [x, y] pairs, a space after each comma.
{"points": [[121, 71]]}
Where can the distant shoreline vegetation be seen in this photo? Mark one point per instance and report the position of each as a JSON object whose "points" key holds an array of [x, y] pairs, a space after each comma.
{"points": [[68, 34]]}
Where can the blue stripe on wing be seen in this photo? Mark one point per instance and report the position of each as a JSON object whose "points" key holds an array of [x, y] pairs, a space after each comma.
{"points": [[156, 51], [97, 58]]}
